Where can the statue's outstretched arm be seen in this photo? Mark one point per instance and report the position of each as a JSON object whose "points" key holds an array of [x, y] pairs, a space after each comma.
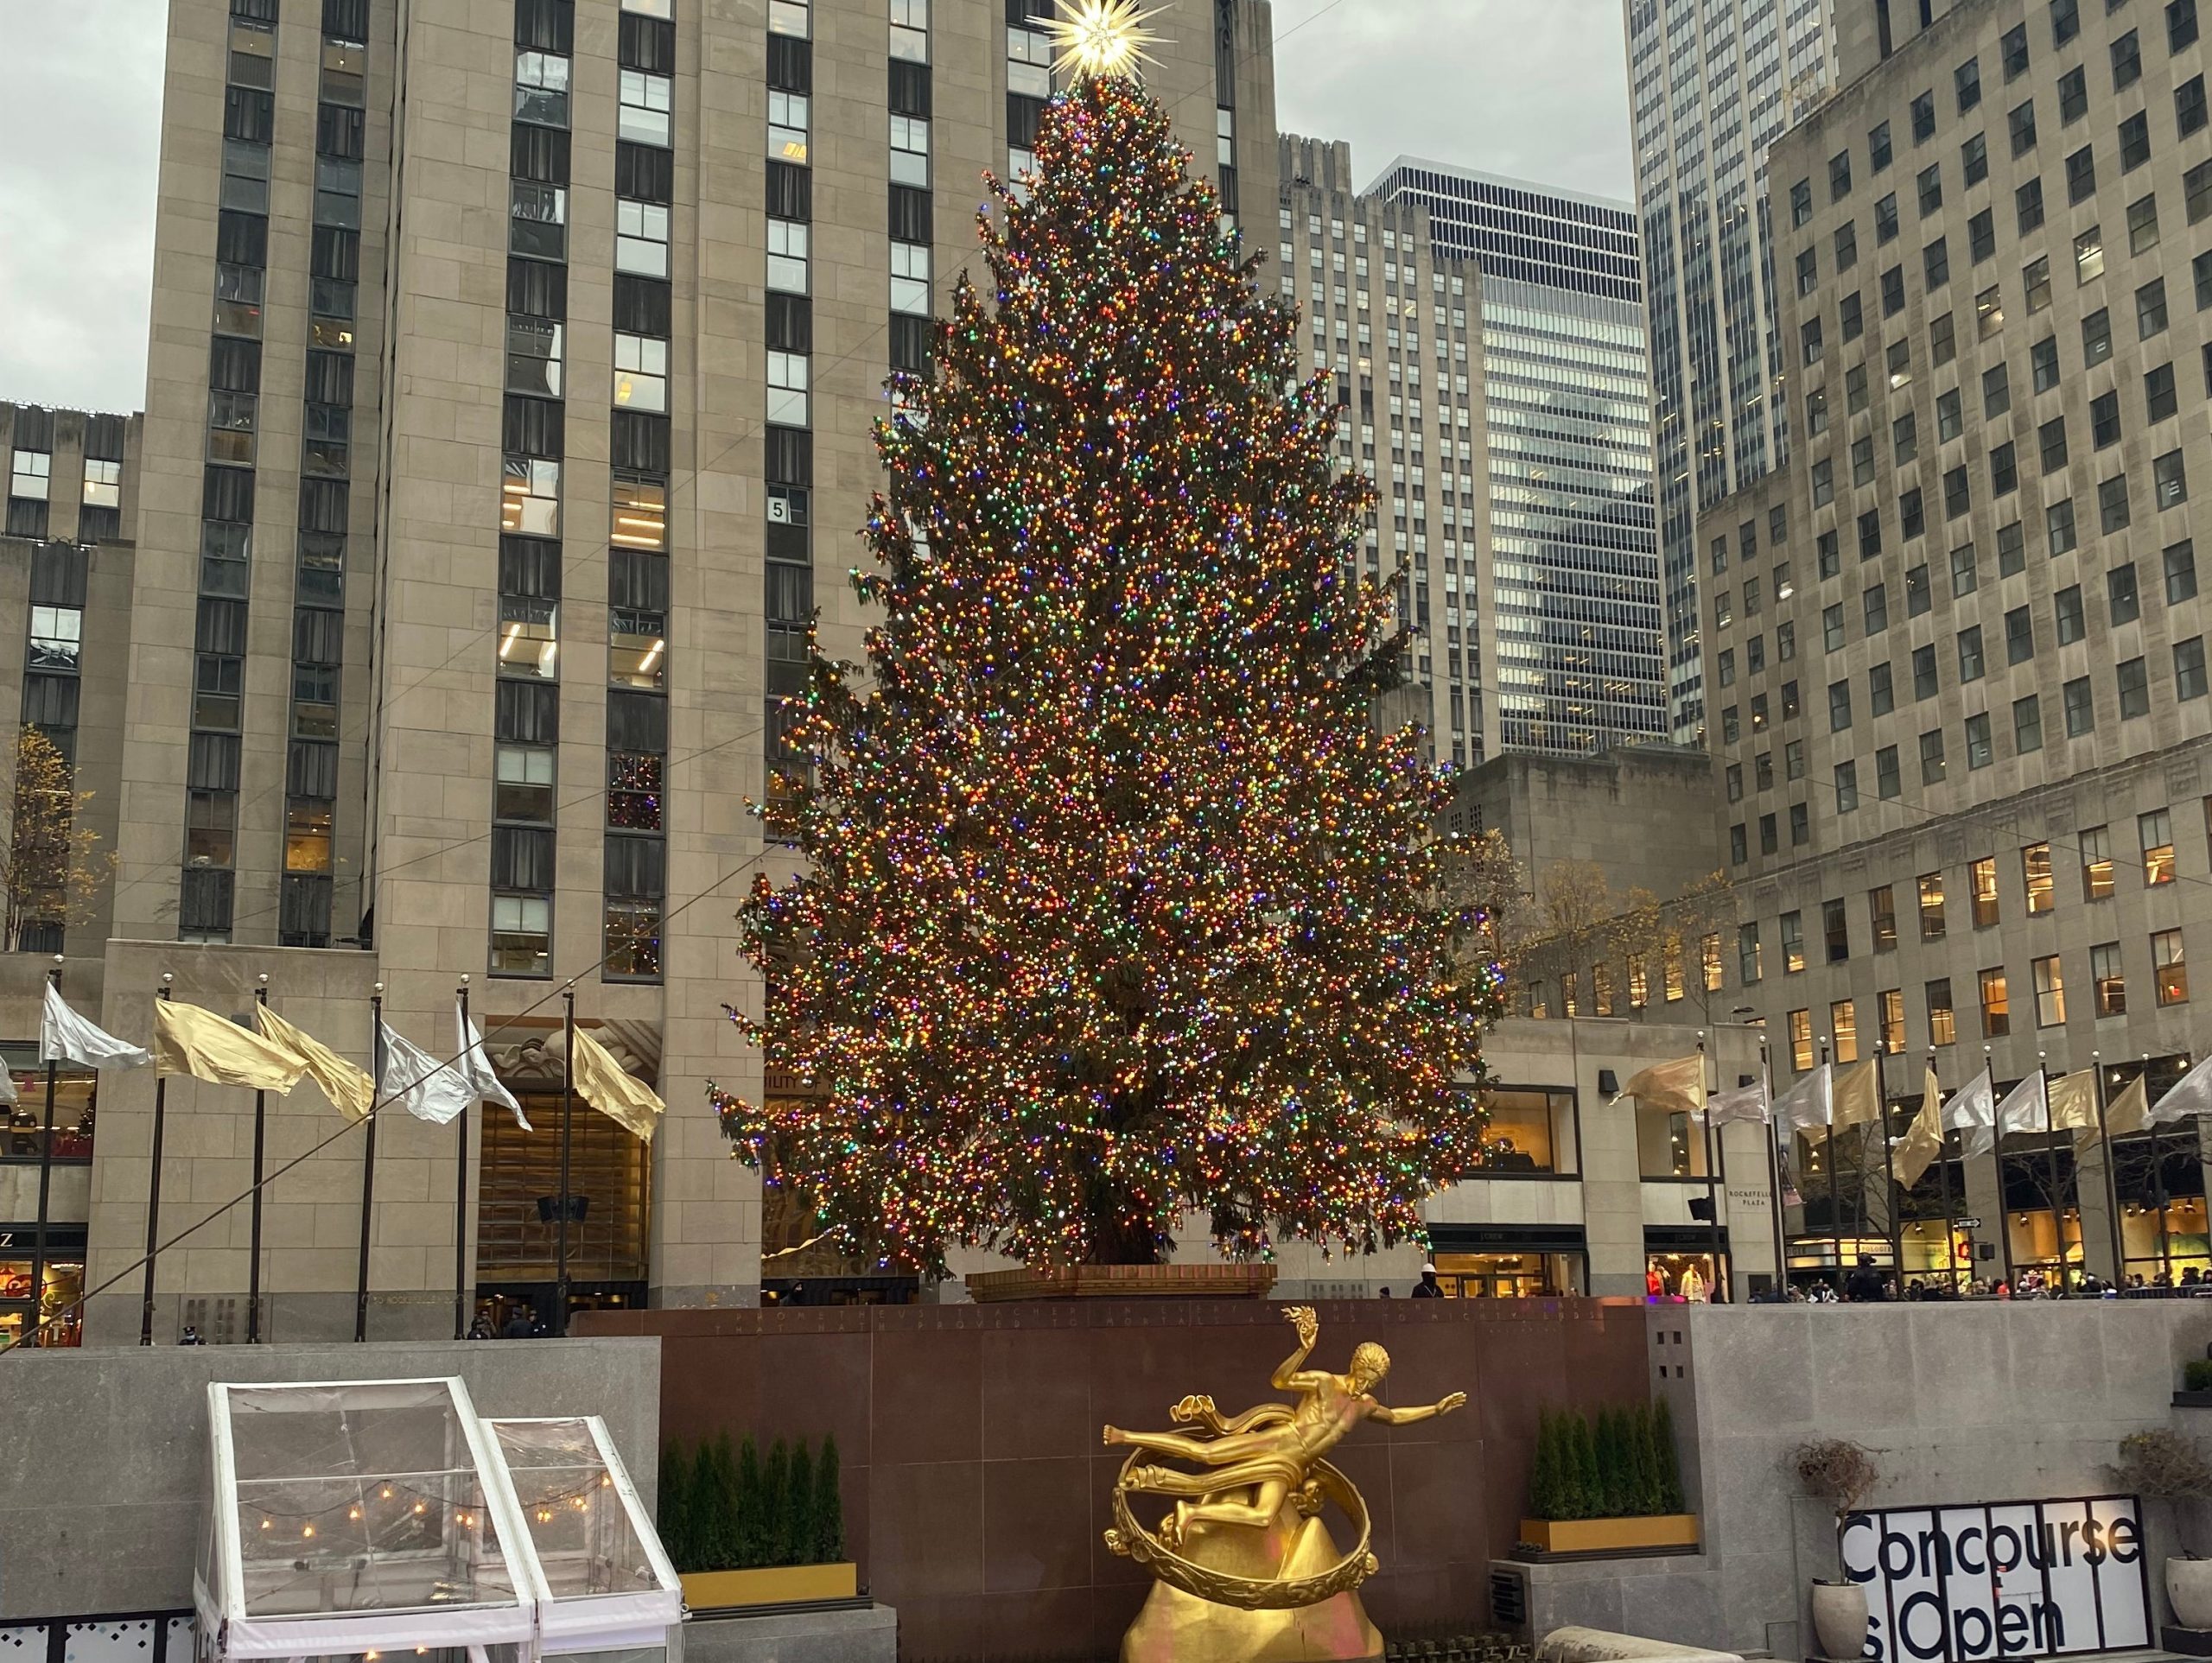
{"points": [[1309, 1329], [1408, 1416]]}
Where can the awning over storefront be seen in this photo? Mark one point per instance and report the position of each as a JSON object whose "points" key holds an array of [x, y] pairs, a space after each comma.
{"points": [[367, 1516]]}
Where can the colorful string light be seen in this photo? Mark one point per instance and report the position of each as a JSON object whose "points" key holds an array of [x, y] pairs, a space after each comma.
{"points": [[1117, 906]]}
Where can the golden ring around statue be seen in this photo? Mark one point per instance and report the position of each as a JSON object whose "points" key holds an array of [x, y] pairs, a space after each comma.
{"points": [[1132, 1540]]}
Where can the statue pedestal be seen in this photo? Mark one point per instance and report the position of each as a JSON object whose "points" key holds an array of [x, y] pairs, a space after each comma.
{"points": [[1178, 1627]]}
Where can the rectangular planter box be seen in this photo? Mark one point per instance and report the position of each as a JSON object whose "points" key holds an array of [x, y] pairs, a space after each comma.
{"points": [[1600, 1536], [787, 1585]]}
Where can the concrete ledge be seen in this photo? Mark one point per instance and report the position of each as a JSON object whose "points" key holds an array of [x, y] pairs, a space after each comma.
{"points": [[869, 1635], [1598, 1646]]}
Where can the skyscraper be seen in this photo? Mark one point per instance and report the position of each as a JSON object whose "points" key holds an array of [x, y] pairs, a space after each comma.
{"points": [[1712, 86], [1570, 564], [513, 367]]}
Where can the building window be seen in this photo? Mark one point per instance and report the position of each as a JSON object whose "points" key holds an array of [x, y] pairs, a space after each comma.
{"points": [[2037, 877], [1933, 765], [538, 220], [2081, 709], [641, 373], [1793, 943], [523, 784], [2027, 725], [633, 941], [1835, 931], [530, 637], [2108, 983], [2188, 670], [1843, 1024], [2095, 844], [1882, 910], [787, 389], [529, 501], [910, 278], [1747, 953], [534, 349], [641, 241], [910, 30], [2169, 969], [1982, 877], [909, 151], [1931, 906], [640, 507], [647, 100], [1891, 1003], [2051, 993], [2156, 832], [1996, 1008], [542, 88], [1709, 961], [2134, 679], [522, 935], [1942, 1024], [1800, 1041]]}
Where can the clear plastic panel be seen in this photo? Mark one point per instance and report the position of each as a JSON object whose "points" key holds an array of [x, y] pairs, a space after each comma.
{"points": [[361, 1499], [580, 1522]]}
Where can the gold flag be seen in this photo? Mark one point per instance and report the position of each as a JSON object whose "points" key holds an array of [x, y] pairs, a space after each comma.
{"points": [[351, 1091], [1677, 1086], [2130, 1112], [1859, 1096], [1923, 1141], [2073, 1100], [190, 1040], [626, 1100]]}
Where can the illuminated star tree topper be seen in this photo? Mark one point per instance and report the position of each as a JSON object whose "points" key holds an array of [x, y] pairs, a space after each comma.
{"points": [[1118, 910], [1100, 38]]}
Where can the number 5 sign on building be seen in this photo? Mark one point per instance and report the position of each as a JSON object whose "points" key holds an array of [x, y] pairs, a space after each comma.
{"points": [[2013, 1580]]}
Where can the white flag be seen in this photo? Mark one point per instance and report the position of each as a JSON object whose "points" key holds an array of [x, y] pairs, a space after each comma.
{"points": [[1974, 1111], [1809, 1104], [8, 1095], [474, 1063], [2026, 1107], [426, 1088], [65, 1036], [2192, 1095], [1744, 1104]]}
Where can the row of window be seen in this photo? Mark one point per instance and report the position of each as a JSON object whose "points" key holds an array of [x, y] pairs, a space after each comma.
{"points": [[30, 477], [2047, 977]]}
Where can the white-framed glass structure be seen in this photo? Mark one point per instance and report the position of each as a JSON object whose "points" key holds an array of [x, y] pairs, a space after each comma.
{"points": [[354, 1520]]}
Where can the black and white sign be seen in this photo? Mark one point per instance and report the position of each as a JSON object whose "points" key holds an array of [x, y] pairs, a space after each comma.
{"points": [[2014, 1580]]}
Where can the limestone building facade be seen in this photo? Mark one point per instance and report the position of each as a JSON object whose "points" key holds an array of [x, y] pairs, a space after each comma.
{"points": [[1955, 649]]}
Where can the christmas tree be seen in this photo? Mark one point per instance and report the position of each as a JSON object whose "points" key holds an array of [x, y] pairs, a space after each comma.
{"points": [[1118, 907]]}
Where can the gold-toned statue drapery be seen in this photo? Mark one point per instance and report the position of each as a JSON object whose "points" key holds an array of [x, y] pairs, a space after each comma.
{"points": [[1247, 1571]]}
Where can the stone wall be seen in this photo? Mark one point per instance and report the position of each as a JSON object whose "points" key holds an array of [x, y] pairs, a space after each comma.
{"points": [[976, 1486], [1960, 1403], [103, 1473]]}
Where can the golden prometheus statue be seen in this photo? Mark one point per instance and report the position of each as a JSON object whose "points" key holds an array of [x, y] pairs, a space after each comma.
{"points": [[1247, 1569]]}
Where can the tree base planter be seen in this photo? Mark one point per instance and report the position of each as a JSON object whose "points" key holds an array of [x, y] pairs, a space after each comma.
{"points": [[1598, 1538], [783, 1584], [1122, 1282]]}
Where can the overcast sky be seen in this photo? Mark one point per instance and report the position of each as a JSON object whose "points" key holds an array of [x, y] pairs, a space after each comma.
{"points": [[1535, 88]]}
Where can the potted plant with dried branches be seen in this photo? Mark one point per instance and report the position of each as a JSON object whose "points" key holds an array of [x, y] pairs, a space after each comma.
{"points": [[2168, 1467], [1843, 1474]]}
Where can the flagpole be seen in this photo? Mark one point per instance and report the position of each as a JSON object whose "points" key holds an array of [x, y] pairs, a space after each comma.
{"points": [[2158, 1178], [1835, 1179], [154, 1191], [260, 1141], [461, 1187], [1997, 1155], [2111, 1186], [1890, 1160], [45, 1178], [1774, 1174], [2051, 1162], [369, 1166], [1943, 1186], [567, 1122], [1711, 1193]]}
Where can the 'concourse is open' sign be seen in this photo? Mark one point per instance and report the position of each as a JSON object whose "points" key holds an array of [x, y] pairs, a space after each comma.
{"points": [[2015, 1580]]}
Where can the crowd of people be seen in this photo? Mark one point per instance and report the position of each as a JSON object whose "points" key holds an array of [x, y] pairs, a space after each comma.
{"points": [[1869, 1284]]}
